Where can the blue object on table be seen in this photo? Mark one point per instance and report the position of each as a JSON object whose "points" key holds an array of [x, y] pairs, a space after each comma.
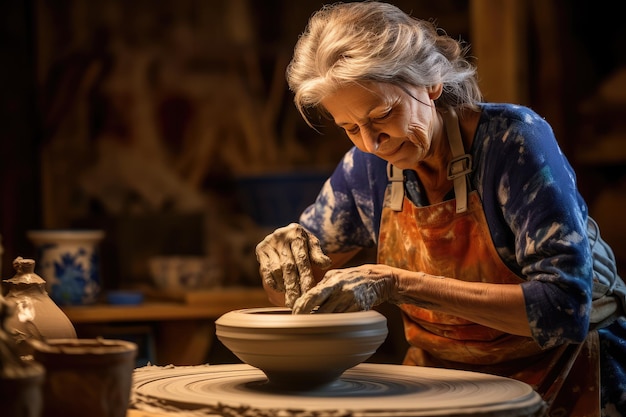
{"points": [[121, 297]]}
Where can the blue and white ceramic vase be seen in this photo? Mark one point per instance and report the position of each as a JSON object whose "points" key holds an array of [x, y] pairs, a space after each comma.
{"points": [[69, 261]]}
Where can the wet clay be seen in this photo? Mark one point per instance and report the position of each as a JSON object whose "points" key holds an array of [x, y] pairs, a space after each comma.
{"points": [[301, 351], [366, 390]]}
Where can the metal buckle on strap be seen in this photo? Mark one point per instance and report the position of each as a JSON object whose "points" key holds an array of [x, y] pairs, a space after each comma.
{"points": [[466, 167], [394, 174], [396, 177]]}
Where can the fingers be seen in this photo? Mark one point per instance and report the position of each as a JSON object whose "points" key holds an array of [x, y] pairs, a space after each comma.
{"points": [[327, 299], [290, 281], [286, 257], [274, 254], [269, 265], [296, 267], [338, 305], [350, 289], [311, 299], [331, 295], [300, 251], [318, 257]]}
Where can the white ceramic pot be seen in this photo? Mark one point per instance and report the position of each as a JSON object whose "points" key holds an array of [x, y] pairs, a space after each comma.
{"points": [[301, 351], [182, 273]]}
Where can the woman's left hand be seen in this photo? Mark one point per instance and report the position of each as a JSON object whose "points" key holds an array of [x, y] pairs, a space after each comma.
{"points": [[350, 289]]}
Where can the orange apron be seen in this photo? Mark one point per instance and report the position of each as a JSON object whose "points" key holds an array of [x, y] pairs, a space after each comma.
{"points": [[444, 240]]}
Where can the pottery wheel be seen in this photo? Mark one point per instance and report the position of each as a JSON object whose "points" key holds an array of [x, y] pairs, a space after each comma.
{"points": [[365, 390]]}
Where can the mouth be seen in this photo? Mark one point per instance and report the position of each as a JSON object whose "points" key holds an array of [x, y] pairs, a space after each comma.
{"points": [[386, 153]]}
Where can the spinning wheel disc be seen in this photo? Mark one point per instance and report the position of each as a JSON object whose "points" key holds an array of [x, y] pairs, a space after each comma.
{"points": [[365, 390]]}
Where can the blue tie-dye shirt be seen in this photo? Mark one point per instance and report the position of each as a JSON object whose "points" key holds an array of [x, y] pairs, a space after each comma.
{"points": [[535, 213]]}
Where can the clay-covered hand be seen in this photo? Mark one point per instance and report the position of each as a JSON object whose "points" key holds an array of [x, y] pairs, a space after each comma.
{"points": [[285, 258], [350, 289]]}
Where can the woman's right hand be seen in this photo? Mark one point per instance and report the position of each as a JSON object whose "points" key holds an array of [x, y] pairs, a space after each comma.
{"points": [[286, 258]]}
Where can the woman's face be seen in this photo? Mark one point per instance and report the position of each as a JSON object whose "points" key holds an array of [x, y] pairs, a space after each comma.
{"points": [[393, 123]]}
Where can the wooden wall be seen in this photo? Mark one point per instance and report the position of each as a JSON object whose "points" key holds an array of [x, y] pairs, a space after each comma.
{"points": [[114, 108]]}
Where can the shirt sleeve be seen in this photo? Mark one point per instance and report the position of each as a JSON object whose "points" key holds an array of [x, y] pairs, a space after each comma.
{"points": [[535, 193], [346, 213]]}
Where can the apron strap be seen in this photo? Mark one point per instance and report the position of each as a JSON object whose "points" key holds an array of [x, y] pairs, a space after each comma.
{"points": [[396, 177], [461, 163]]}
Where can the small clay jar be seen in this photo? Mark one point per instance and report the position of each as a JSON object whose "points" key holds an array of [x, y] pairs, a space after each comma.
{"points": [[21, 380], [86, 377], [36, 314]]}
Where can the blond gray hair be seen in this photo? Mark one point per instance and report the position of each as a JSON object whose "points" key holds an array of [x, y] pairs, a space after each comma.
{"points": [[346, 43]]}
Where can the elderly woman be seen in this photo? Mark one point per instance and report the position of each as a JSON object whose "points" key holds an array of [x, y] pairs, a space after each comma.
{"points": [[483, 239]]}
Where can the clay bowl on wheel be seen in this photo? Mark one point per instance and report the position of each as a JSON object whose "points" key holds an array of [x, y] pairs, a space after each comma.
{"points": [[301, 351]]}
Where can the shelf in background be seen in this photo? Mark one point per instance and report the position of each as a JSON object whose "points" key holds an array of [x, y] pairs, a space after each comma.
{"points": [[199, 304]]}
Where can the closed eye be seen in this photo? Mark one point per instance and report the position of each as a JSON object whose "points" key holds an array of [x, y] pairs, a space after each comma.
{"points": [[353, 130], [383, 116], [373, 119]]}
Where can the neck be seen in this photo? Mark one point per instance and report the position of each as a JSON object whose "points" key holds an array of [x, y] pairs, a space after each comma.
{"points": [[432, 171]]}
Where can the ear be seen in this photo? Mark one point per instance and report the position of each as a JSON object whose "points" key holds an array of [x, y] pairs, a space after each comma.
{"points": [[434, 91]]}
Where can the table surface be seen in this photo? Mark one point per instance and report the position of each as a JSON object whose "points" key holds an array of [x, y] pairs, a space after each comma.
{"points": [[194, 305]]}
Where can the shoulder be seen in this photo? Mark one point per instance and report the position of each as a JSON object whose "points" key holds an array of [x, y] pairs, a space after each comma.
{"points": [[500, 118], [520, 171], [509, 111], [512, 137]]}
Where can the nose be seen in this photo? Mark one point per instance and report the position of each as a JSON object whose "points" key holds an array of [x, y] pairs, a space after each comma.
{"points": [[372, 138]]}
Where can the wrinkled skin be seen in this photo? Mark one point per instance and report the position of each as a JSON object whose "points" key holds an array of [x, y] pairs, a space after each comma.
{"points": [[350, 289], [286, 257]]}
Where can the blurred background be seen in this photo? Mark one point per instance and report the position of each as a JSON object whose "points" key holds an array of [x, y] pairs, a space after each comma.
{"points": [[168, 124]]}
